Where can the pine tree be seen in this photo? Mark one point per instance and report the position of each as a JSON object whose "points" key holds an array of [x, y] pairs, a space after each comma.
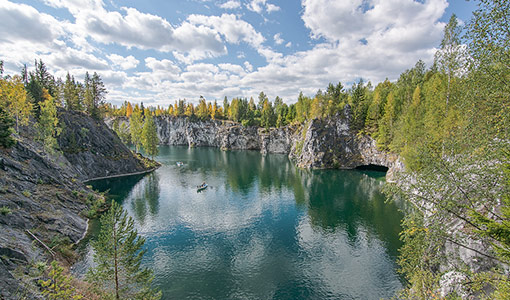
{"points": [[385, 134], [94, 95], [118, 252], [71, 94], [150, 138], [6, 123], [267, 118]]}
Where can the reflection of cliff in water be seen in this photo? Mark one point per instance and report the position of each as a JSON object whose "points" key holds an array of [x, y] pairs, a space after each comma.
{"points": [[116, 188], [352, 201], [336, 199], [243, 169]]}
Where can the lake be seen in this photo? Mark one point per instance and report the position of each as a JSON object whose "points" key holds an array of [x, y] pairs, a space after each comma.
{"points": [[263, 229]]}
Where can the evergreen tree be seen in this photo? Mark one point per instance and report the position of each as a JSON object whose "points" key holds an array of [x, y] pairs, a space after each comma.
{"points": [[262, 100], [71, 94], [118, 252], [6, 123], [385, 134], [214, 112], [226, 108], [150, 138], [267, 118], [45, 79], [359, 104], [35, 90], [94, 95]]}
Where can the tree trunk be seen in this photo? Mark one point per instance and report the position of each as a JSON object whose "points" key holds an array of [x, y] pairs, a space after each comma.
{"points": [[115, 261]]}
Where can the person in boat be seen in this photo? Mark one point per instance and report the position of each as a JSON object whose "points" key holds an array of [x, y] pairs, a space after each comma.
{"points": [[202, 185]]}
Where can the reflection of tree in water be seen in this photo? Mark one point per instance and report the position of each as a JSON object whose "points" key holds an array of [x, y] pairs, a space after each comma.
{"points": [[243, 169], [117, 188], [352, 201], [145, 197]]}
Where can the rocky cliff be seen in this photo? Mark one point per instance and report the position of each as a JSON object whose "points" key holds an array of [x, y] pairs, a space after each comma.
{"points": [[94, 150], [42, 195], [333, 143], [226, 135], [319, 143]]}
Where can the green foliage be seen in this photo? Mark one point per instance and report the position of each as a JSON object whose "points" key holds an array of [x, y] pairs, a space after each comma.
{"points": [[14, 99], [73, 94], [26, 193], [95, 93], [202, 112], [6, 123], [136, 126], [118, 253], [58, 286], [95, 205], [47, 126], [267, 118], [360, 102], [150, 138], [4, 210]]}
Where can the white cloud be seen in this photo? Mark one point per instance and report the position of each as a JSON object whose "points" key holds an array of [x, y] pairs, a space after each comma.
{"points": [[230, 27], [395, 35], [231, 4], [125, 63], [272, 8], [248, 66], [278, 39], [259, 6], [235, 69]]}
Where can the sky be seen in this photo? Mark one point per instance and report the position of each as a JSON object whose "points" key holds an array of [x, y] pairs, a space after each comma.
{"points": [[158, 51]]}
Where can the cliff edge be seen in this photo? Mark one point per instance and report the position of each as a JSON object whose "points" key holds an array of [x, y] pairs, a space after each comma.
{"points": [[43, 199]]}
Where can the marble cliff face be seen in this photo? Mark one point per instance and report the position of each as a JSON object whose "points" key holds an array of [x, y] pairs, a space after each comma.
{"points": [[318, 143]]}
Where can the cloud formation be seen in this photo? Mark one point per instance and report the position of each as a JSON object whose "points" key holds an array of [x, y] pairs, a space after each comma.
{"points": [[157, 59]]}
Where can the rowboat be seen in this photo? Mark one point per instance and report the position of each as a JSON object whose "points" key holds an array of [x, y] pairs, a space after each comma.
{"points": [[180, 164], [202, 187]]}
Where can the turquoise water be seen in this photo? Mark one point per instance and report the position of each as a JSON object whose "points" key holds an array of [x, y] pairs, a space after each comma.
{"points": [[263, 229]]}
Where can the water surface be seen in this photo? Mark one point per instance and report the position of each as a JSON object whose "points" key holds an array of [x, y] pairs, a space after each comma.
{"points": [[263, 229]]}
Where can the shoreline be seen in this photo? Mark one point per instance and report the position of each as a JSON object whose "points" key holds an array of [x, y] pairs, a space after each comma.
{"points": [[121, 175]]}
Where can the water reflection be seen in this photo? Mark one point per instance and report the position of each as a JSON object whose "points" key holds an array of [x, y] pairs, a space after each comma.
{"points": [[145, 197], [263, 229]]}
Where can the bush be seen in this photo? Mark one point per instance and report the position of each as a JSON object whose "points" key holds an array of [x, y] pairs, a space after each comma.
{"points": [[4, 210]]}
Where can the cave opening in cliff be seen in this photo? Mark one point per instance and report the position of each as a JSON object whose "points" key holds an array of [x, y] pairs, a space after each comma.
{"points": [[372, 167]]}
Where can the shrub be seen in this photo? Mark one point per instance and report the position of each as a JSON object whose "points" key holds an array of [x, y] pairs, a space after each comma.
{"points": [[4, 210]]}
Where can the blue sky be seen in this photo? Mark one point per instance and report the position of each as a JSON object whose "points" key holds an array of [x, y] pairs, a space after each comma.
{"points": [[161, 51]]}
